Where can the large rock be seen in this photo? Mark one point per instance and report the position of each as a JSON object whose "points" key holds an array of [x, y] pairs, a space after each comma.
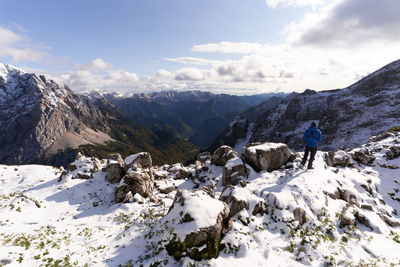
{"points": [[115, 168], [222, 155], [140, 182], [266, 156], [363, 156], [197, 222], [142, 158], [338, 158], [234, 171], [393, 153]]}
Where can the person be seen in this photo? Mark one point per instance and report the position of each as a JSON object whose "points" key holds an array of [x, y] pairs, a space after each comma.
{"points": [[312, 136]]}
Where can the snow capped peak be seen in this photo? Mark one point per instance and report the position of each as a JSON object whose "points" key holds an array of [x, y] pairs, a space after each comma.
{"points": [[6, 70]]}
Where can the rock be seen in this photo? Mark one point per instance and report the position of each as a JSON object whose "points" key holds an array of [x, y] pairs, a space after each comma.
{"points": [[197, 221], [222, 155], [348, 197], [115, 168], [154, 199], [142, 158], [203, 156], [120, 193], [299, 215], [72, 167], [231, 196], [128, 197], [338, 159], [166, 190], [96, 165], [140, 182], [393, 153], [363, 156], [138, 198], [366, 207], [346, 221], [363, 220], [266, 156], [180, 171], [234, 171], [84, 175], [260, 208]]}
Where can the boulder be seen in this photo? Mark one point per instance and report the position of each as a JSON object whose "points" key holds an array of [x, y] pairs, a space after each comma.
{"points": [[115, 168], [142, 158], [234, 171], [266, 156], [197, 223], [338, 158], [222, 155], [363, 156], [393, 153], [204, 156], [140, 182], [120, 193], [233, 197]]}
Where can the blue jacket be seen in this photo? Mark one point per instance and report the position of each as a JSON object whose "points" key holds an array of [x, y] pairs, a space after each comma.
{"points": [[312, 136]]}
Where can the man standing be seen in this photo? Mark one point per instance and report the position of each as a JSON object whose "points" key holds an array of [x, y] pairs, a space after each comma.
{"points": [[312, 136]]}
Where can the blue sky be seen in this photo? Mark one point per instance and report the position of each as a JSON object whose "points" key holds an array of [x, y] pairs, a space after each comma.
{"points": [[237, 46]]}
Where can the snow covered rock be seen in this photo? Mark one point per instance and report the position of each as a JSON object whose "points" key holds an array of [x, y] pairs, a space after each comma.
{"points": [[138, 181], [222, 155], [393, 153], [115, 168], [363, 156], [267, 156], [180, 171], [83, 167], [204, 156], [338, 158], [142, 158], [234, 171], [197, 222]]}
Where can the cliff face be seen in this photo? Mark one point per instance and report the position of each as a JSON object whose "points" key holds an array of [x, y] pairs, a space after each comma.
{"points": [[346, 117], [39, 116]]}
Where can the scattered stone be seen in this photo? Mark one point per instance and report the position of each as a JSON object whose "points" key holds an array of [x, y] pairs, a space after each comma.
{"points": [[234, 171], [128, 197], [388, 221], [366, 207], [222, 155], [84, 175], [363, 220], [180, 171], [72, 167], [346, 221], [266, 156], [338, 158], [260, 208], [393, 153], [166, 190]]}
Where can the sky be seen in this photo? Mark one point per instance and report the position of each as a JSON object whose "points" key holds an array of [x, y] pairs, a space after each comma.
{"points": [[222, 46]]}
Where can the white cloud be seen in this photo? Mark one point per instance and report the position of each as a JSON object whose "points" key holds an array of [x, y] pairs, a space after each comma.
{"points": [[192, 61], [17, 48], [294, 3]]}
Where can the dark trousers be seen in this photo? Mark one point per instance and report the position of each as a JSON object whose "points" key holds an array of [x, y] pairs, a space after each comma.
{"points": [[313, 151]]}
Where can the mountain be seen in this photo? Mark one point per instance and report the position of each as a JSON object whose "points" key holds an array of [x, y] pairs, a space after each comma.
{"points": [[44, 121], [329, 216], [193, 115], [347, 117]]}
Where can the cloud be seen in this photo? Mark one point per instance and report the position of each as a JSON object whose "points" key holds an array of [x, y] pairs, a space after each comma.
{"points": [[192, 61], [18, 48], [348, 24], [294, 3], [234, 48]]}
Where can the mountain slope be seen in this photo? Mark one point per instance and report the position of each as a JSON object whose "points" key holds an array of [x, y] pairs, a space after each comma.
{"points": [[43, 121], [346, 117], [46, 218]]}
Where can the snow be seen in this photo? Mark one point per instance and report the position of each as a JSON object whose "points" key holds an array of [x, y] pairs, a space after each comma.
{"points": [[132, 158], [195, 203], [79, 222], [265, 146]]}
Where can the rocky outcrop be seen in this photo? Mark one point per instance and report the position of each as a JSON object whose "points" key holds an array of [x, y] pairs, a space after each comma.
{"points": [[115, 168], [141, 160], [204, 156], [234, 171], [222, 155], [197, 223], [266, 156], [338, 158]]}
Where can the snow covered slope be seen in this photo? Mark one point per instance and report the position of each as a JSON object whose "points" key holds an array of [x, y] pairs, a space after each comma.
{"points": [[345, 216]]}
